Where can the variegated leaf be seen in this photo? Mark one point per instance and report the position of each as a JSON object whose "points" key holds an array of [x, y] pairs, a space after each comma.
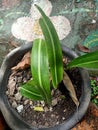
{"points": [[40, 68], [53, 47]]}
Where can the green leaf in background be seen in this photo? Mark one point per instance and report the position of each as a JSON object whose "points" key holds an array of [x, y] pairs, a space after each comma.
{"points": [[53, 48], [40, 68], [91, 40], [30, 90], [78, 0], [89, 60]]}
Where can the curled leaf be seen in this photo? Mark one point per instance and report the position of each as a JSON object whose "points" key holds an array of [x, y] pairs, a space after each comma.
{"points": [[83, 48], [70, 88], [24, 63]]}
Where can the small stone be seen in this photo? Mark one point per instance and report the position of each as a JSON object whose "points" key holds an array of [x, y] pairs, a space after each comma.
{"points": [[57, 117], [46, 109], [51, 109], [19, 79], [11, 86], [43, 103], [52, 115], [33, 123], [54, 102], [30, 102], [7, 93], [14, 104], [64, 110], [57, 122], [26, 102], [63, 118], [18, 96], [46, 124], [24, 80], [20, 108], [93, 21]]}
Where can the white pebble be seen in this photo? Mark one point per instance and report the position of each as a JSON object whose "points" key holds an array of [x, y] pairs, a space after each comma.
{"points": [[26, 102], [18, 96], [93, 21], [51, 109], [63, 118], [20, 108]]}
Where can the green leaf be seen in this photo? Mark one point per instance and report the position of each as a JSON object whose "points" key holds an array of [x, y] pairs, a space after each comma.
{"points": [[91, 40], [70, 88], [53, 48], [89, 60], [31, 91], [40, 68]]}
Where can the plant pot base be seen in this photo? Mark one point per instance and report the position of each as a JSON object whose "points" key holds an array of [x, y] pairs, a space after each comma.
{"points": [[13, 119]]}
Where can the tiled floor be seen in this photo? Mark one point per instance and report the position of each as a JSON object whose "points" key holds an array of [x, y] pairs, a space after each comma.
{"points": [[89, 122]]}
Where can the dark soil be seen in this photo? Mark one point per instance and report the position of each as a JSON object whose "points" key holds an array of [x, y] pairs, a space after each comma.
{"points": [[62, 105]]}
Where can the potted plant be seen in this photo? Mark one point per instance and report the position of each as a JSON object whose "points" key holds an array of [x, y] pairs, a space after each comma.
{"points": [[46, 54]]}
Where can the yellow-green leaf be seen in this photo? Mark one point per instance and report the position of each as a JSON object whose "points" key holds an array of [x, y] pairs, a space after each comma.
{"points": [[38, 108]]}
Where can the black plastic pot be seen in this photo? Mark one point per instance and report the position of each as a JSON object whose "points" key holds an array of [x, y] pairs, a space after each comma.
{"points": [[11, 116]]}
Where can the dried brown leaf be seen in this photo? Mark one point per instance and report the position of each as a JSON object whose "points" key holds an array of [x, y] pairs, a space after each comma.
{"points": [[83, 48], [70, 87], [24, 63]]}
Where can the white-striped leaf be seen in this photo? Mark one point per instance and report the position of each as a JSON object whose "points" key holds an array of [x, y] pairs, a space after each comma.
{"points": [[30, 90], [53, 47], [40, 68], [89, 60]]}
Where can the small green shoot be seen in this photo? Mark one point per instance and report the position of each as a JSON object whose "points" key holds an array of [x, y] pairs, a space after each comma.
{"points": [[94, 93]]}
